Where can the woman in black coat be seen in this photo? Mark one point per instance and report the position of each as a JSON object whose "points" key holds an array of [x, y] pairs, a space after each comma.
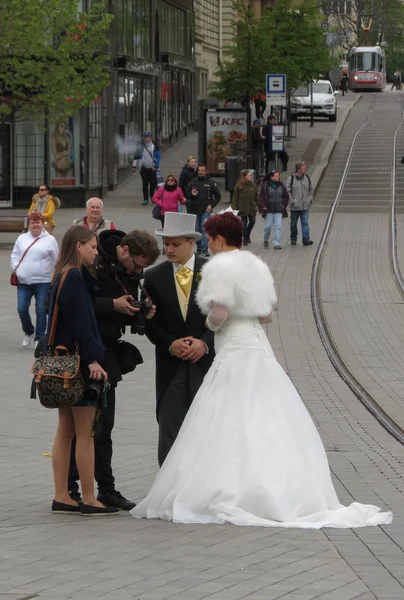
{"points": [[77, 328]]}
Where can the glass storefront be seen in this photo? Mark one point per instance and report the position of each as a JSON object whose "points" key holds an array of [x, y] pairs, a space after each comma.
{"points": [[133, 22], [136, 114]]}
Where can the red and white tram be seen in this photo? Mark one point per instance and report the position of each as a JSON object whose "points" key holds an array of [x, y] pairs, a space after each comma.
{"points": [[367, 68]]}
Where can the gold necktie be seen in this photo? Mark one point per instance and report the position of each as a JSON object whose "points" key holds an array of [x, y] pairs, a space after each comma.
{"points": [[184, 279]]}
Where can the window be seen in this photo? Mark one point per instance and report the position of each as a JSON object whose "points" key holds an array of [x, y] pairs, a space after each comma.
{"points": [[173, 30], [133, 18], [366, 61]]}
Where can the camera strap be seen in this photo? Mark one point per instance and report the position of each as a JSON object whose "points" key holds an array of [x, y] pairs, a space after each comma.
{"points": [[125, 291]]}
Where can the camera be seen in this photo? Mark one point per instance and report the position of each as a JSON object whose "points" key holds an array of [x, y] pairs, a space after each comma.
{"points": [[96, 390], [139, 326]]}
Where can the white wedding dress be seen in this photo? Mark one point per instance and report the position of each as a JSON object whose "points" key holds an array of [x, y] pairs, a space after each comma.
{"points": [[248, 452]]}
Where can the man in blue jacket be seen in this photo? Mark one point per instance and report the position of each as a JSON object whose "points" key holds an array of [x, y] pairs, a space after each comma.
{"points": [[148, 159]]}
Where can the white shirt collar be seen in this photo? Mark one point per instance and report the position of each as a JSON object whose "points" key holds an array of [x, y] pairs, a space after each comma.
{"points": [[190, 264]]}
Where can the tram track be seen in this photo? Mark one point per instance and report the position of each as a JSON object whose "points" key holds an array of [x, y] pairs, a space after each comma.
{"points": [[369, 400]]}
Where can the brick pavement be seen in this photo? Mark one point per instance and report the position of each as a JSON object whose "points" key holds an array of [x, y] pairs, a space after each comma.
{"points": [[61, 557]]}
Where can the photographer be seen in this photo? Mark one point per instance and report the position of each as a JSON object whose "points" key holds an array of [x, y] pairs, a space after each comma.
{"points": [[119, 268]]}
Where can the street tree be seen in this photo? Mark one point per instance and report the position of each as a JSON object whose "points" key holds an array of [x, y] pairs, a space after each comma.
{"points": [[286, 39], [53, 58]]}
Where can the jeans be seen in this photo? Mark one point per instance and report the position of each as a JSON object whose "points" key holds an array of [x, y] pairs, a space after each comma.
{"points": [[103, 451], [249, 223], [304, 218], [270, 219], [200, 222], [24, 296], [149, 178]]}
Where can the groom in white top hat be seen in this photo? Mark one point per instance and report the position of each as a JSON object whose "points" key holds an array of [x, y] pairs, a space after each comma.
{"points": [[184, 346]]}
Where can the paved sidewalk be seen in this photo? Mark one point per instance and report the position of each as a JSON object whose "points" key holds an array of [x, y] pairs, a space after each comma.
{"points": [[67, 557]]}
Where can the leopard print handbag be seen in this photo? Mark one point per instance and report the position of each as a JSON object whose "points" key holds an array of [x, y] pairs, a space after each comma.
{"points": [[57, 375]]}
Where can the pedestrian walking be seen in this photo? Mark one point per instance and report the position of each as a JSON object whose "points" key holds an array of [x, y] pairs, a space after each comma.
{"points": [[169, 197], [33, 259], [246, 201], [344, 84], [76, 328], [188, 172], [256, 148], [184, 350], [203, 195], [45, 203], [301, 194], [274, 199], [148, 159], [94, 219]]}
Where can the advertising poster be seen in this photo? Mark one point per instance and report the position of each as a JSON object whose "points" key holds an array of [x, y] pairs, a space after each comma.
{"points": [[62, 154], [226, 135]]}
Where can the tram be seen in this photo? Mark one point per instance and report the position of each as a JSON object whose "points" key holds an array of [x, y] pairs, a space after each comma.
{"points": [[367, 68]]}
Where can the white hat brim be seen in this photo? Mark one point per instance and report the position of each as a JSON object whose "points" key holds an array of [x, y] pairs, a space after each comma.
{"points": [[189, 234]]}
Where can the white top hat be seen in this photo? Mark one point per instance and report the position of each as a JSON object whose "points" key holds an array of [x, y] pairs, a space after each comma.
{"points": [[179, 225]]}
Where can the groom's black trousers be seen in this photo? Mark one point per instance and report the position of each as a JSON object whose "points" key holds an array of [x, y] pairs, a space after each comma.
{"points": [[173, 408]]}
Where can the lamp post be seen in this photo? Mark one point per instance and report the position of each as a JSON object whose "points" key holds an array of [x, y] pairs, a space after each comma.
{"points": [[248, 156]]}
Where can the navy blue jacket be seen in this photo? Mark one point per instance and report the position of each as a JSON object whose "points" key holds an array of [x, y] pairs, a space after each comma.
{"points": [[76, 320]]}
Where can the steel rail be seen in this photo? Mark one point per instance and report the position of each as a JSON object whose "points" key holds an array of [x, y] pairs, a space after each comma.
{"points": [[365, 397]]}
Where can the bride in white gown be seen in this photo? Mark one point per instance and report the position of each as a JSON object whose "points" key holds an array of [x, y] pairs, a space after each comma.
{"points": [[248, 452]]}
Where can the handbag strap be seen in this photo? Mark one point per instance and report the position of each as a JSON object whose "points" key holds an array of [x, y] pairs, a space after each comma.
{"points": [[23, 256], [51, 338], [152, 155]]}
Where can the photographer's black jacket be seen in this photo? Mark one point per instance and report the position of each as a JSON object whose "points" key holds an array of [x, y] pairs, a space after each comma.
{"points": [[112, 278]]}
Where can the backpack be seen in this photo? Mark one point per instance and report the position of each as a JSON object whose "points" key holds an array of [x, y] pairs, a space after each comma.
{"points": [[292, 178]]}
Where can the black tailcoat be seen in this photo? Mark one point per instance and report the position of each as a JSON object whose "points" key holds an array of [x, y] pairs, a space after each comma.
{"points": [[169, 325]]}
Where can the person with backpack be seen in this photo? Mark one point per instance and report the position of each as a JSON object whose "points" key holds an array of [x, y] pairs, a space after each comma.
{"points": [[301, 192], [148, 158]]}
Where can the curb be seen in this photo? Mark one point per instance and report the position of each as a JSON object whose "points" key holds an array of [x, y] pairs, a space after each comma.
{"points": [[326, 154]]}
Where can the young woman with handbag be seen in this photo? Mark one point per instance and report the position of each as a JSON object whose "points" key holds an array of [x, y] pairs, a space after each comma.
{"points": [[75, 331], [168, 198]]}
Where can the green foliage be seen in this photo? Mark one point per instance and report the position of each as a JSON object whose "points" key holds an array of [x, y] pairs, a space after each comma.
{"points": [[286, 39], [52, 58]]}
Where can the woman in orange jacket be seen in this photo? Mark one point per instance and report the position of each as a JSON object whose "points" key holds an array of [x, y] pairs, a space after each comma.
{"points": [[46, 204]]}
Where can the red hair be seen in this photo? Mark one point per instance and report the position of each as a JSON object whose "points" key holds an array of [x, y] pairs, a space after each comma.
{"points": [[229, 226]]}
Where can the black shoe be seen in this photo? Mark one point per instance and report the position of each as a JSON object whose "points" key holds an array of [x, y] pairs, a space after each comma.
{"points": [[293, 242], [97, 511], [278, 247], [116, 500], [145, 202], [64, 509], [76, 496], [245, 243], [266, 244], [248, 241], [307, 242], [204, 254]]}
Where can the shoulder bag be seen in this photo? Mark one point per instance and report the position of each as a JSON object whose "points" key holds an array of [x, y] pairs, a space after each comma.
{"points": [[57, 377], [156, 212], [13, 277]]}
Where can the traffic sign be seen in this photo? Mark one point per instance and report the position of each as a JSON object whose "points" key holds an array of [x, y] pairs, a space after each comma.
{"points": [[276, 84], [276, 89]]}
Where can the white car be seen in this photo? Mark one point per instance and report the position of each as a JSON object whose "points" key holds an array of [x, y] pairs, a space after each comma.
{"points": [[324, 101]]}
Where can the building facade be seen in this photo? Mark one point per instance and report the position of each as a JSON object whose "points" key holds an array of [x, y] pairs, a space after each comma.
{"points": [[152, 88]]}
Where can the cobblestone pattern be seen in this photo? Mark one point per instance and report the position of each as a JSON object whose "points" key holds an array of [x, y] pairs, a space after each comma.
{"points": [[61, 557]]}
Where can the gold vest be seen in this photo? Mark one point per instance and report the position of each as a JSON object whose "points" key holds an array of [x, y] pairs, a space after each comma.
{"points": [[182, 299]]}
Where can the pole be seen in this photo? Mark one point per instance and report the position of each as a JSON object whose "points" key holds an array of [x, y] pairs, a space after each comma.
{"points": [[46, 147], [248, 157], [311, 106]]}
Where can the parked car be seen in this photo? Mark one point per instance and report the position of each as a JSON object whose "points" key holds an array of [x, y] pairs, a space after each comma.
{"points": [[324, 101]]}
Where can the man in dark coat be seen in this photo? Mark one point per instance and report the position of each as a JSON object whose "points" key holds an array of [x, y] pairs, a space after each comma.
{"points": [[184, 346], [203, 195], [120, 263]]}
